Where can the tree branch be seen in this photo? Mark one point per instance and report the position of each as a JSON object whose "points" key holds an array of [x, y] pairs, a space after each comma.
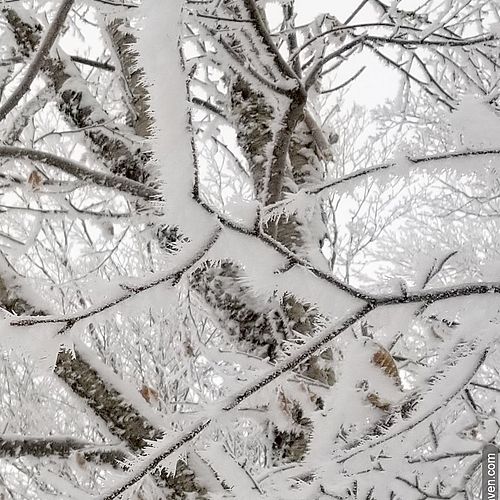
{"points": [[316, 69], [386, 166], [91, 62], [173, 275], [80, 107], [82, 172], [411, 423], [62, 446], [463, 42], [165, 449], [40, 57], [261, 27]]}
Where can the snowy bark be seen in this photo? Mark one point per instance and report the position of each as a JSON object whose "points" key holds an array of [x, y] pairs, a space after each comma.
{"points": [[80, 107], [63, 447], [127, 164]]}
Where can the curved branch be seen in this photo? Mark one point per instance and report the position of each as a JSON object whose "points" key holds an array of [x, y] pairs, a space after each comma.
{"points": [[423, 85], [291, 257], [316, 69], [345, 83], [261, 27]]}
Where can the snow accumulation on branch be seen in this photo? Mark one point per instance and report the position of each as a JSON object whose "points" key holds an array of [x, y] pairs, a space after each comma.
{"points": [[444, 386], [127, 291], [40, 56], [163, 449], [130, 291], [463, 42], [81, 172], [365, 172], [160, 55], [305, 308], [467, 369], [14, 446]]}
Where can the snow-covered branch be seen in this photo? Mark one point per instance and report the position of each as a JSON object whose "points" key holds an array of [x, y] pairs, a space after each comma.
{"points": [[238, 257], [394, 165], [40, 57], [61, 446], [128, 291], [164, 449], [82, 172]]}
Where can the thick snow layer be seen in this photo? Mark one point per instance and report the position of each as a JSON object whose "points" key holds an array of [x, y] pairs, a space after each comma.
{"points": [[160, 55], [476, 123], [41, 345]]}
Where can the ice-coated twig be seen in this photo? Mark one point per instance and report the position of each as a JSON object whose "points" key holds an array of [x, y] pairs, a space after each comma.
{"points": [[459, 382]]}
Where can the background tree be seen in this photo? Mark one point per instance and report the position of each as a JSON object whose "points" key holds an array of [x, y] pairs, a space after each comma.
{"points": [[222, 276]]}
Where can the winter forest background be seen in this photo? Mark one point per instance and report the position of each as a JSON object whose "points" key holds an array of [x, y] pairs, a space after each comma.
{"points": [[248, 249]]}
